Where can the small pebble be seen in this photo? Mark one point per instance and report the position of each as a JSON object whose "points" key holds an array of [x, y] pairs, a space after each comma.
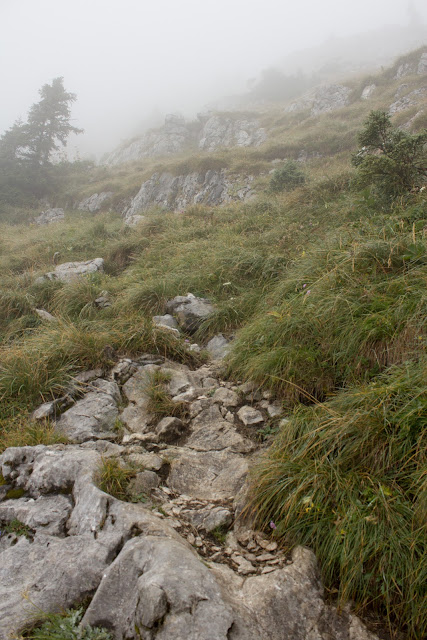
{"points": [[199, 542], [191, 539], [268, 570]]}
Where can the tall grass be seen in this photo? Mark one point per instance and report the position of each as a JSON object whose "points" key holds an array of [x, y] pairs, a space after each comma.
{"points": [[348, 478]]}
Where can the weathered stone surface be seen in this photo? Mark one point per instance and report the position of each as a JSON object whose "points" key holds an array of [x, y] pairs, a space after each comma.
{"points": [[134, 389], [222, 131], [45, 315], [167, 322], [158, 586], [52, 573], [137, 418], [69, 271], [45, 410], [170, 429], [93, 417], [50, 215], [249, 415], [368, 91], [189, 310], [410, 100], [218, 347], [175, 193], [206, 475], [47, 513], [144, 483], [209, 519], [95, 202], [210, 432], [323, 99], [422, 65], [226, 397]]}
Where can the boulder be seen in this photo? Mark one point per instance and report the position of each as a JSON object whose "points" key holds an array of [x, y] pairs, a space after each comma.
{"points": [[368, 91], [69, 271], [190, 311], [94, 416], [50, 215], [218, 347], [94, 202]]}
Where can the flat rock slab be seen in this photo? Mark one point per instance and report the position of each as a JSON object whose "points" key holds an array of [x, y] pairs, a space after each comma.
{"points": [[69, 271], [211, 475], [157, 588], [94, 417]]}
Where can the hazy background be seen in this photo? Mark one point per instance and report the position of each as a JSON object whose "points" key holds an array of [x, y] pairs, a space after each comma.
{"points": [[130, 61]]}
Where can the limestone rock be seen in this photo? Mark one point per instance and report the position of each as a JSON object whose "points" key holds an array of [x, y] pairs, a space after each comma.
{"points": [[144, 483], [206, 475], [94, 202], [47, 513], [368, 91], [175, 193], [218, 347], [209, 519], [50, 215], [330, 98], [222, 131], [226, 397], [52, 573], [45, 315], [249, 415], [189, 310], [422, 65], [94, 416], [160, 588], [170, 429], [167, 322], [69, 271]]}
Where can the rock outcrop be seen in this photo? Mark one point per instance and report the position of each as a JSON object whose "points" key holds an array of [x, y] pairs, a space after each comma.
{"points": [[322, 100], [209, 132], [175, 193], [50, 215], [95, 202], [153, 568]]}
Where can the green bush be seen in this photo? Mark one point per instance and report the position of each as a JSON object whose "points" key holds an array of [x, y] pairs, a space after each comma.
{"points": [[67, 627], [286, 178], [391, 159]]}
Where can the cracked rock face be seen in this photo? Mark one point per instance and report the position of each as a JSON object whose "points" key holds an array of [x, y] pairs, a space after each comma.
{"points": [[154, 569]]}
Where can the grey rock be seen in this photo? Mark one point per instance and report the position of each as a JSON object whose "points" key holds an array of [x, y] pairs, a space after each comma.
{"points": [[222, 131], [422, 65], [95, 202], [47, 513], [170, 429], [405, 69], [147, 461], [167, 321], [45, 315], [210, 432], [144, 482], [158, 586], [137, 419], [368, 91], [176, 193], [410, 100], [50, 574], [45, 410], [330, 98], [50, 215], [226, 397], [206, 475], [209, 519], [69, 271], [218, 347], [249, 415], [189, 310], [93, 417], [135, 387]]}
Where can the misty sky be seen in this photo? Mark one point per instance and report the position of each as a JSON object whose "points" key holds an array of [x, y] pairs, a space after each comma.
{"points": [[126, 58]]}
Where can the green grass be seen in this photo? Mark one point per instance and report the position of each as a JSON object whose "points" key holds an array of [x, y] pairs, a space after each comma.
{"points": [[65, 626], [114, 478], [348, 479]]}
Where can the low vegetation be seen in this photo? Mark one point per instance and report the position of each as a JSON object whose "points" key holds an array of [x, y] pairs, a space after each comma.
{"points": [[66, 626], [321, 280]]}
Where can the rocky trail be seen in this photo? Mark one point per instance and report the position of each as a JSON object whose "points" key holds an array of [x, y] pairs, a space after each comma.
{"points": [[177, 560]]}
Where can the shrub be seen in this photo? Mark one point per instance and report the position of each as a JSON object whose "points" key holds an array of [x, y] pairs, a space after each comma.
{"points": [[66, 626], [391, 159], [287, 178]]}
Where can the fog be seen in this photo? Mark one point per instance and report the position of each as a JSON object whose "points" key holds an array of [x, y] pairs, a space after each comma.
{"points": [[130, 61]]}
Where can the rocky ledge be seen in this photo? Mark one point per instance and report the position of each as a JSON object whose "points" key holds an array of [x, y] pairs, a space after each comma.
{"points": [[177, 560]]}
